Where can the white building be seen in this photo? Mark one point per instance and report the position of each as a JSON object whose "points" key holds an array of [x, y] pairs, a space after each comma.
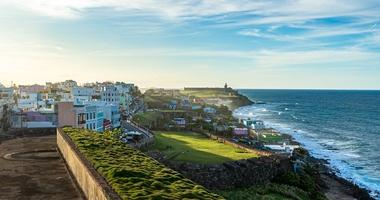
{"points": [[110, 94], [254, 124], [209, 110], [82, 94], [6, 94], [258, 125], [28, 101]]}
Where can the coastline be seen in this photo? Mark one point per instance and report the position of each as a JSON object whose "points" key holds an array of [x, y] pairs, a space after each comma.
{"points": [[334, 186]]}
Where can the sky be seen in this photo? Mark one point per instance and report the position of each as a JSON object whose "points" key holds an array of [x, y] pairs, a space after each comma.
{"points": [[324, 44]]}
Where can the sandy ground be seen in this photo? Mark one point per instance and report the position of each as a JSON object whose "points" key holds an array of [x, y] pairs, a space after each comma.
{"points": [[35, 175]]}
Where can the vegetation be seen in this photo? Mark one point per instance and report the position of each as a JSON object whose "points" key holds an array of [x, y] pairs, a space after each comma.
{"points": [[270, 137], [266, 192], [148, 119], [307, 180], [195, 147], [237, 99], [132, 174], [209, 93]]}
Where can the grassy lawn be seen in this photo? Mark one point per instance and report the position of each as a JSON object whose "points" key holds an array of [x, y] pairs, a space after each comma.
{"points": [[206, 93], [195, 147], [132, 174], [271, 137]]}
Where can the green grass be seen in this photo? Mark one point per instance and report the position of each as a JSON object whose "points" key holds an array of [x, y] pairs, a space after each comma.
{"points": [[207, 93], [132, 174], [266, 192], [271, 137], [146, 118], [197, 148]]}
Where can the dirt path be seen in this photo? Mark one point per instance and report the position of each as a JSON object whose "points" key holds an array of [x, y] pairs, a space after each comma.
{"points": [[31, 169]]}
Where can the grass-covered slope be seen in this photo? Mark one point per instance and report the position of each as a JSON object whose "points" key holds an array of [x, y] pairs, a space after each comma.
{"points": [[266, 192], [197, 148], [131, 173]]}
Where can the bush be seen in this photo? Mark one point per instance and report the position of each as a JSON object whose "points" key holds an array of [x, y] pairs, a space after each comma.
{"points": [[306, 181]]}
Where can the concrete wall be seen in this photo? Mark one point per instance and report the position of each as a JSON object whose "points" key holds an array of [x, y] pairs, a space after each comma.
{"points": [[90, 181]]}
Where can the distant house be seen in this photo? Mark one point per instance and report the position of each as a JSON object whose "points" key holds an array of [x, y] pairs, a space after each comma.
{"points": [[196, 107], [240, 131], [253, 124], [258, 125], [172, 105], [186, 104], [209, 110], [208, 120], [180, 122]]}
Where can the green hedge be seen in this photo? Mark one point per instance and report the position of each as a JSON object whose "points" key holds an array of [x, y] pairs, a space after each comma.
{"points": [[132, 174]]}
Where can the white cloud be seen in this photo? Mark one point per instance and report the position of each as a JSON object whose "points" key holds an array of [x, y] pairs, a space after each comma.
{"points": [[271, 11]]}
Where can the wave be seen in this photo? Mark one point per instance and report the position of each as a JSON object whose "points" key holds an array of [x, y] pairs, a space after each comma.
{"points": [[338, 153]]}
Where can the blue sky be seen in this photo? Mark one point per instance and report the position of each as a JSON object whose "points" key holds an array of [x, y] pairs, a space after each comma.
{"points": [[249, 44]]}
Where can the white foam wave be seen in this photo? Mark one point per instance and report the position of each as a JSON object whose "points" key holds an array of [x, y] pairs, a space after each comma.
{"points": [[337, 156]]}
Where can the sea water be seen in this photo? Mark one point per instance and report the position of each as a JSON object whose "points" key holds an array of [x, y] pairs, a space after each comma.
{"points": [[340, 126]]}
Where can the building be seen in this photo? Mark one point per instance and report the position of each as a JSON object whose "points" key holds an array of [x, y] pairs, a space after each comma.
{"points": [[258, 125], [240, 131], [110, 94], [67, 85], [253, 124], [82, 94], [209, 110], [92, 115], [29, 101], [31, 88], [6, 94], [172, 105], [179, 122], [68, 116]]}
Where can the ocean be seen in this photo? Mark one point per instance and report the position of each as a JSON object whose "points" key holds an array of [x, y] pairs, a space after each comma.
{"points": [[340, 126]]}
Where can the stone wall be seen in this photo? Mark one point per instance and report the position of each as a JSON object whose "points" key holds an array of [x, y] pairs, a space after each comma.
{"points": [[22, 132], [89, 180], [229, 175]]}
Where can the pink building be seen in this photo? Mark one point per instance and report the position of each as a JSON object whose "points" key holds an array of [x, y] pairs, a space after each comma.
{"points": [[66, 114], [241, 131]]}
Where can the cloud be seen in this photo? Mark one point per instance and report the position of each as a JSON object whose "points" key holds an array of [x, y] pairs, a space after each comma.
{"points": [[262, 59], [270, 11]]}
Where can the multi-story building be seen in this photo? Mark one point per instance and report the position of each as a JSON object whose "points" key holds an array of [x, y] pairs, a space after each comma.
{"points": [[92, 115], [110, 94], [31, 88], [81, 95], [28, 101], [6, 94]]}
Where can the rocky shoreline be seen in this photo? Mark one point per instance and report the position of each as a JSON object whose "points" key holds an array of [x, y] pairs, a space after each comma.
{"points": [[334, 186]]}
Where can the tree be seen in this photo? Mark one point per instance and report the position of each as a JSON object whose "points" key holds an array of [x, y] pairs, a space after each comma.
{"points": [[5, 119]]}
